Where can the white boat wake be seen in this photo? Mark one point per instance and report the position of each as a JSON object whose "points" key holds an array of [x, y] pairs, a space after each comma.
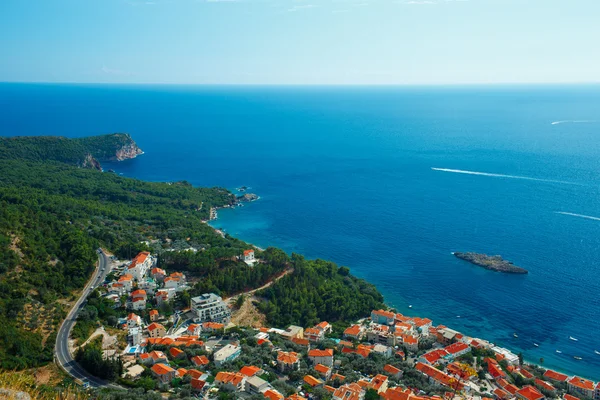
{"points": [[578, 215], [574, 121], [460, 171]]}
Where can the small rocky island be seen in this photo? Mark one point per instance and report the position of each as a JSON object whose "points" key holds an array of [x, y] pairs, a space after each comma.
{"points": [[493, 263], [247, 197]]}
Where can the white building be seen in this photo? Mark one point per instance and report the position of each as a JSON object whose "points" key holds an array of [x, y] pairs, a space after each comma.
{"points": [[248, 257], [134, 336], [140, 265], [227, 353], [133, 321], [210, 307], [510, 357]]}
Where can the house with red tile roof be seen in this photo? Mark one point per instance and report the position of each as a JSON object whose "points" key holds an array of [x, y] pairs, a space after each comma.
{"points": [[434, 357], [494, 369], [501, 394], [544, 385], [437, 377], [197, 385], [158, 357], [312, 381], [379, 383], [393, 371], [457, 349], [323, 371], [324, 357], [181, 372], [250, 370], [199, 361], [351, 391], [512, 389], [324, 326], [194, 373], [411, 343], [158, 274], [234, 381], [301, 341], [287, 361], [529, 393], [383, 317], [140, 265], [295, 397], [314, 334], [580, 386], [133, 321], [194, 329], [156, 330], [272, 394], [153, 315], [555, 376], [355, 332], [567, 396], [127, 281], [163, 373], [338, 377], [212, 327], [176, 353]]}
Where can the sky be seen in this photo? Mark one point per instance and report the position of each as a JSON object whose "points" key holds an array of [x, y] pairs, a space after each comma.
{"points": [[304, 42]]}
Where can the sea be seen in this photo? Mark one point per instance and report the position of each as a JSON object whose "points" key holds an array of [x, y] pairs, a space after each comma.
{"points": [[388, 181]]}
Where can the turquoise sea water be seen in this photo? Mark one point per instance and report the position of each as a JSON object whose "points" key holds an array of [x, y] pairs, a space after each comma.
{"points": [[346, 174]]}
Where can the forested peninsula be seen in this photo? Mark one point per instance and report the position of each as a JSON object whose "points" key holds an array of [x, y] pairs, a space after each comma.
{"points": [[57, 208]]}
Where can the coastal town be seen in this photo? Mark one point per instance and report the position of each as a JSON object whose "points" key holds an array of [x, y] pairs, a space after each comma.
{"points": [[175, 343]]}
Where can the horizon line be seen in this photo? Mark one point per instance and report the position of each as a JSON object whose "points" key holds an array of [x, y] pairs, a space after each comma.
{"points": [[281, 84]]}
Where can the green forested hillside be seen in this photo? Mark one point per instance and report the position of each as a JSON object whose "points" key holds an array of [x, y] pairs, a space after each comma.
{"points": [[53, 215], [57, 148], [318, 291], [52, 218]]}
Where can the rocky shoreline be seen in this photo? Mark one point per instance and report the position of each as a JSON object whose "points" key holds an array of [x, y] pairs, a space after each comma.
{"points": [[492, 263]]}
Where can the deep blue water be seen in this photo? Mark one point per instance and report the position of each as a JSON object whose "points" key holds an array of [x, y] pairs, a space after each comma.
{"points": [[346, 174]]}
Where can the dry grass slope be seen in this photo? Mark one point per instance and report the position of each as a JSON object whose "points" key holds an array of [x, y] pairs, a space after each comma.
{"points": [[25, 382]]}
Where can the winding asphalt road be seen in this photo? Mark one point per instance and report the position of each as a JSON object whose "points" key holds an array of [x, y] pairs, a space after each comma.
{"points": [[62, 354]]}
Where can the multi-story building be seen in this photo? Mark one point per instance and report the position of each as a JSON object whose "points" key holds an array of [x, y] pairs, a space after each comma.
{"points": [[134, 336], [581, 387], [140, 265], [163, 373], [210, 307], [156, 330], [287, 361], [324, 357]]}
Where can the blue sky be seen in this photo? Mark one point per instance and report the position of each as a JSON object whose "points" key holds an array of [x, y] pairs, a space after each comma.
{"points": [[300, 41]]}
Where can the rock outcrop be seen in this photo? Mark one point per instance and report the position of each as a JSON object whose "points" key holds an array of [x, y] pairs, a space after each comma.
{"points": [[493, 263]]}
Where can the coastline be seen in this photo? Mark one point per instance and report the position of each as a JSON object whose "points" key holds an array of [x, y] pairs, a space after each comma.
{"points": [[527, 360]]}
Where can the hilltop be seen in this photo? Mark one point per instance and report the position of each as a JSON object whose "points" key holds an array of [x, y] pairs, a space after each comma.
{"points": [[86, 152]]}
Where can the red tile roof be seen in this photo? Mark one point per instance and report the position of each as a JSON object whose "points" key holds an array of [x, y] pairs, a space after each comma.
{"points": [[456, 348], [390, 369], [544, 385], [555, 376], [386, 314], [354, 330], [312, 381], [249, 370], [162, 369], [175, 352], [530, 393], [581, 383], [322, 369], [320, 353], [199, 360]]}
